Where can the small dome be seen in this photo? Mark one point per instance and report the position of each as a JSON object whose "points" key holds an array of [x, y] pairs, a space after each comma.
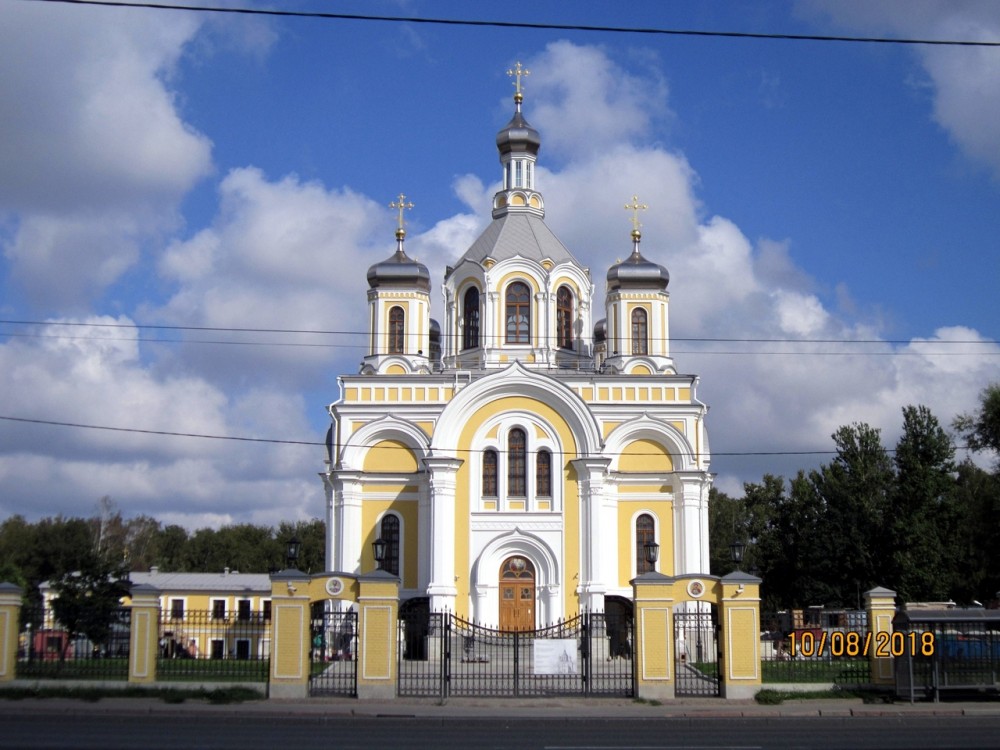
{"points": [[601, 331], [636, 271], [518, 136], [399, 270]]}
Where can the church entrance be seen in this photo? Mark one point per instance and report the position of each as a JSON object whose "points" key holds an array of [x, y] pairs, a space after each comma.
{"points": [[517, 594]]}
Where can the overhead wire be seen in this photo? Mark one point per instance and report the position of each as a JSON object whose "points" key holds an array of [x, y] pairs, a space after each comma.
{"points": [[535, 25]]}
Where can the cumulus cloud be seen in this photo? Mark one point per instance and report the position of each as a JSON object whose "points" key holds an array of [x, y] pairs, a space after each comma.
{"points": [[86, 372], [965, 80], [95, 155]]}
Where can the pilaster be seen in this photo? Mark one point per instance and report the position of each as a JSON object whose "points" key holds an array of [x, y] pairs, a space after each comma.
{"points": [[739, 613], [594, 579], [441, 589], [654, 636], [10, 619], [880, 604], [144, 636], [378, 612], [290, 637]]}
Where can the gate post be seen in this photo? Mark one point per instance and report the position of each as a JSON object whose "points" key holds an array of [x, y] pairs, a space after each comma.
{"points": [[653, 657], [10, 626], [290, 636], [881, 605], [378, 614], [739, 612], [144, 633]]}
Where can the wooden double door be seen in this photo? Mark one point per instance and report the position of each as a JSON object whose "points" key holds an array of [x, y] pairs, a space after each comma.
{"points": [[517, 594]]}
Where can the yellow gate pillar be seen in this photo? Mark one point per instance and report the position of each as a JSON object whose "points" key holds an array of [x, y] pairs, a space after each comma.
{"points": [[10, 626], [378, 612], [654, 636], [739, 615], [144, 633], [290, 636], [881, 606]]}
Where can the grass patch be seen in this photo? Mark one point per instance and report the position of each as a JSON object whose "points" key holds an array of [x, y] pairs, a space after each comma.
{"points": [[804, 670], [167, 695], [648, 701]]}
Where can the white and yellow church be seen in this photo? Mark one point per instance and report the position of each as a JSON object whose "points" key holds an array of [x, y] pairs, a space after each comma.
{"points": [[517, 459]]}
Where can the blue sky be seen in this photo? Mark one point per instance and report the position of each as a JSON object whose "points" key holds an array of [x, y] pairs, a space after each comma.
{"points": [[213, 170]]}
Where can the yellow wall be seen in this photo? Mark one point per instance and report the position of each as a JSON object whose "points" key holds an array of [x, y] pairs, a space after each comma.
{"points": [[390, 456], [372, 511], [645, 455], [571, 512], [663, 512]]}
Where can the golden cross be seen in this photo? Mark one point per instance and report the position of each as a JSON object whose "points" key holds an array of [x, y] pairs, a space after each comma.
{"points": [[401, 205], [518, 72], [635, 207]]}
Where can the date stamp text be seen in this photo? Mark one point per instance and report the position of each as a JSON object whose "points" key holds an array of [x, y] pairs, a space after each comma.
{"points": [[852, 643]]}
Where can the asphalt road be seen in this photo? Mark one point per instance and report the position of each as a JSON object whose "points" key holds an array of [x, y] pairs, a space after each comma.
{"points": [[151, 732]]}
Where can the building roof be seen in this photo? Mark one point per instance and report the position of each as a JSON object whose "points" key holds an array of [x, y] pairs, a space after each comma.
{"points": [[225, 581], [518, 234]]}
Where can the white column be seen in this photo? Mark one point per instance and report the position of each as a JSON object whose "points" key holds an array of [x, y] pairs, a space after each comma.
{"points": [[332, 522], [346, 512], [441, 589], [591, 473], [691, 522]]}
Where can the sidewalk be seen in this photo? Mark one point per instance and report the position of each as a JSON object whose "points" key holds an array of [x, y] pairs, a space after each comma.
{"points": [[464, 708]]}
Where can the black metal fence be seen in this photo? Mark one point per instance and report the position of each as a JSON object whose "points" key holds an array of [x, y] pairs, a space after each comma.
{"points": [[696, 647], [815, 645], [203, 645], [444, 655], [48, 649], [334, 654]]}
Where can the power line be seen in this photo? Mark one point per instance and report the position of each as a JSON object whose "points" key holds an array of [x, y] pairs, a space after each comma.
{"points": [[348, 444], [320, 15], [321, 332]]}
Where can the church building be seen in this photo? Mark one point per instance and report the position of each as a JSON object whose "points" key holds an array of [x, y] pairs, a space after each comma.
{"points": [[517, 458]]}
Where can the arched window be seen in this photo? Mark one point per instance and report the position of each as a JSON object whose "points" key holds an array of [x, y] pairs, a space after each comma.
{"points": [[518, 313], [516, 474], [470, 319], [490, 473], [389, 533], [645, 531], [564, 318], [640, 332], [396, 330], [543, 474]]}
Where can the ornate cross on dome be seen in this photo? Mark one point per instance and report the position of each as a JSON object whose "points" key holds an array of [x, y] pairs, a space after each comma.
{"points": [[400, 205], [635, 207], [518, 72]]}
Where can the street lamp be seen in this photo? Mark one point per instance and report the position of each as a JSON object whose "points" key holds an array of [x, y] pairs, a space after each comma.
{"points": [[292, 553], [379, 548], [652, 552], [736, 550]]}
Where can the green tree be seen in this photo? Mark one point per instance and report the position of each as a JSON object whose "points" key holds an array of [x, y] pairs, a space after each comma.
{"points": [[853, 491], [922, 521], [975, 543], [87, 601], [982, 430], [726, 521]]}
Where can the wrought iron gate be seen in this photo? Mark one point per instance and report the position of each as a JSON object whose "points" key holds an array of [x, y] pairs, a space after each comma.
{"points": [[334, 654], [696, 652], [443, 655]]}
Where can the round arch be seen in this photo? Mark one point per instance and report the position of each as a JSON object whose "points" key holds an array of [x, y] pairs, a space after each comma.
{"points": [[486, 571], [645, 427], [385, 428]]}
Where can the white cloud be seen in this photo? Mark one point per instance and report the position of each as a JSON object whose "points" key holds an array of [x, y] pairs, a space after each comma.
{"points": [[965, 80], [96, 376], [95, 155]]}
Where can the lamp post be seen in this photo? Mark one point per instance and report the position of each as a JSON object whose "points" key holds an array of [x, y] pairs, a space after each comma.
{"points": [[652, 551], [292, 553], [379, 548], [736, 550]]}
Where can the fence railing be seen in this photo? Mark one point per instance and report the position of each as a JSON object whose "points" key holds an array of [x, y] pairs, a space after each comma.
{"points": [[815, 646], [47, 649], [203, 645]]}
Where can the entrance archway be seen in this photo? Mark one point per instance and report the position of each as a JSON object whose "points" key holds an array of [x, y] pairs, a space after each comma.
{"points": [[517, 594]]}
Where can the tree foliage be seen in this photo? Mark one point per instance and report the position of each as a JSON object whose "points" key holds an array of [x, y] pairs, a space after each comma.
{"points": [[87, 601]]}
